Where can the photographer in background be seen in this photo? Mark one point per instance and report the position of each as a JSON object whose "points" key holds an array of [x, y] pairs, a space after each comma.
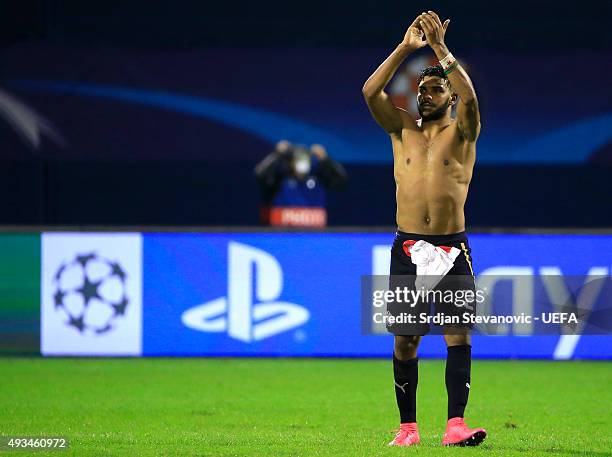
{"points": [[294, 181]]}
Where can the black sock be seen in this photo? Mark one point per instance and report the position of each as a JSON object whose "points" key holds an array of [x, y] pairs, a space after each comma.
{"points": [[406, 376], [458, 363]]}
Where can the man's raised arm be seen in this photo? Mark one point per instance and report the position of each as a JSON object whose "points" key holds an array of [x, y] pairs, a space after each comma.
{"points": [[386, 114], [468, 115]]}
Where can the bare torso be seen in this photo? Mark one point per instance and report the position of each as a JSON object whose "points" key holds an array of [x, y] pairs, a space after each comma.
{"points": [[433, 170]]}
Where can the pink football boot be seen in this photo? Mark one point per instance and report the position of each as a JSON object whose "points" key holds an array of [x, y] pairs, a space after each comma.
{"points": [[458, 434], [408, 435]]}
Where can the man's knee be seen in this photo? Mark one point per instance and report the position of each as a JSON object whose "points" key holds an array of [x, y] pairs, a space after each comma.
{"points": [[457, 337], [406, 347]]}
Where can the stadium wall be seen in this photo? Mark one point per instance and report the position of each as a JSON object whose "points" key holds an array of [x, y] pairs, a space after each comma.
{"points": [[249, 293]]}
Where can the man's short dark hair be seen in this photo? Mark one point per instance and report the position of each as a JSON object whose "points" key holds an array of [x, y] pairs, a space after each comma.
{"points": [[434, 70]]}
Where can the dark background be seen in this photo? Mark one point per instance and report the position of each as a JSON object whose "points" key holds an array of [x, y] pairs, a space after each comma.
{"points": [[521, 26], [40, 189]]}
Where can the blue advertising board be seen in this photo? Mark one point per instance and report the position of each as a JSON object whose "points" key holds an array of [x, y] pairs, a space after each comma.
{"points": [[295, 294]]}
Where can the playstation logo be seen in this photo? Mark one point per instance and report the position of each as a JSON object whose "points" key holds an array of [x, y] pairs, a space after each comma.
{"points": [[250, 311]]}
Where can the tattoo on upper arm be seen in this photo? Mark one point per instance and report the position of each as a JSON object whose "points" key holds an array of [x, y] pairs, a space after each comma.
{"points": [[470, 122]]}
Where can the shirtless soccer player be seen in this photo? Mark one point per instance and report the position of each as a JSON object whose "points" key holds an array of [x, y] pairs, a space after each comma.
{"points": [[433, 162]]}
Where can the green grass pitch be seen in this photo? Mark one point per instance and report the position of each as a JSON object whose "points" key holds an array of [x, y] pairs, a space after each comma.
{"points": [[298, 407]]}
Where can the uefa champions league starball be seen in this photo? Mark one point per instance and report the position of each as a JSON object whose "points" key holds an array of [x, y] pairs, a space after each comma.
{"points": [[91, 292]]}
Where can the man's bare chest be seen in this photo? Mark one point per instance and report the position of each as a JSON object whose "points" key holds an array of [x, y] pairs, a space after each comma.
{"points": [[418, 152]]}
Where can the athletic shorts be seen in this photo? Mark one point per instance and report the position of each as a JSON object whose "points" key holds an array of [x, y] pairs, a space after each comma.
{"points": [[450, 298]]}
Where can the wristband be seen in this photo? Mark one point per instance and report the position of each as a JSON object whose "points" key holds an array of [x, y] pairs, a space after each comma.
{"points": [[447, 61], [451, 68]]}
